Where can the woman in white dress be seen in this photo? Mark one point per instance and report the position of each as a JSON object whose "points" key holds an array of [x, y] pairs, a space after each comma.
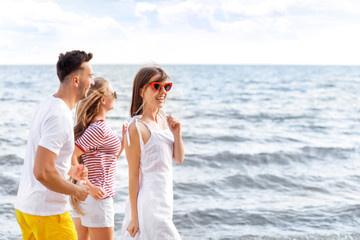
{"points": [[153, 141]]}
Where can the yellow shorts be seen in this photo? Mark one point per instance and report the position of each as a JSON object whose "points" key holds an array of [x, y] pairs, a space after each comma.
{"points": [[46, 227]]}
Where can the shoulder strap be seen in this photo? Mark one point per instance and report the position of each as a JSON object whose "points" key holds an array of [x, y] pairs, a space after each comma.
{"points": [[139, 132], [146, 125], [164, 118]]}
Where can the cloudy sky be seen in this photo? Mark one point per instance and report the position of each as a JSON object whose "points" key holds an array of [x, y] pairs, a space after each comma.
{"points": [[182, 31]]}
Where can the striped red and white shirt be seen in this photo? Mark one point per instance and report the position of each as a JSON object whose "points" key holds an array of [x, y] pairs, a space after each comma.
{"points": [[101, 148]]}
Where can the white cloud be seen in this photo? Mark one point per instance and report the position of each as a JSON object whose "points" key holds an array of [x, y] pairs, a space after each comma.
{"points": [[43, 28], [255, 7], [141, 10], [180, 12], [225, 16], [191, 31], [245, 26], [19, 12], [142, 7]]}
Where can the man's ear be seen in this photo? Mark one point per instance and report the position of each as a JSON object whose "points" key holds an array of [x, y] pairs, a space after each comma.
{"points": [[75, 80]]}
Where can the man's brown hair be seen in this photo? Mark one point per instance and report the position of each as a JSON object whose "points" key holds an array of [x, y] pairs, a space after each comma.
{"points": [[70, 62]]}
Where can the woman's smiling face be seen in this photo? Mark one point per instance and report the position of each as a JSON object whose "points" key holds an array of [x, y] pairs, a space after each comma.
{"points": [[154, 96]]}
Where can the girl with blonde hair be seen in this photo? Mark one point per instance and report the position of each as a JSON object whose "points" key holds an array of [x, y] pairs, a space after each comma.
{"points": [[98, 148]]}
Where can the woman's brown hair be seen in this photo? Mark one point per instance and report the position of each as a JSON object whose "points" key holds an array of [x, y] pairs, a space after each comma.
{"points": [[86, 110], [141, 79]]}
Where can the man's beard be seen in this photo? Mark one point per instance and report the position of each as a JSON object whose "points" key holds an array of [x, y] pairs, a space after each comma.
{"points": [[83, 91]]}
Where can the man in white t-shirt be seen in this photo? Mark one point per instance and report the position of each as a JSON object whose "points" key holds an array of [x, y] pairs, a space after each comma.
{"points": [[41, 203]]}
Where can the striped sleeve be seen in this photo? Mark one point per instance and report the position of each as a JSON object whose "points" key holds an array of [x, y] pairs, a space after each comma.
{"points": [[91, 139]]}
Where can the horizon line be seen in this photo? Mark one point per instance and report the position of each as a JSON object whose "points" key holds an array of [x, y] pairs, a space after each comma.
{"points": [[194, 64]]}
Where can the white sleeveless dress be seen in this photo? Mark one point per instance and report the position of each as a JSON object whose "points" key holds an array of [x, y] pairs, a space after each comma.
{"points": [[155, 198]]}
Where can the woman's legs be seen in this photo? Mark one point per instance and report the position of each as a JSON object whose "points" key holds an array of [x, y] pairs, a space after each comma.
{"points": [[85, 233], [82, 231], [98, 214], [105, 233]]}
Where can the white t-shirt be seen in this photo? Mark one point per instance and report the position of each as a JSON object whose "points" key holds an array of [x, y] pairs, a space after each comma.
{"points": [[51, 128]]}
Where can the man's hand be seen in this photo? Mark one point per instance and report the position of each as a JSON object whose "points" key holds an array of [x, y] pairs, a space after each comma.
{"points": [[82, 191]]}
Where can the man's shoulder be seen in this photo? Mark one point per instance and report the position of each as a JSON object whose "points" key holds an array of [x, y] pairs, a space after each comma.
{"points": [[52, 116], [52, 106]]}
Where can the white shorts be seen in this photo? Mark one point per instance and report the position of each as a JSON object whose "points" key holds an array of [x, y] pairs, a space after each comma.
{"points": [[98, 213]]}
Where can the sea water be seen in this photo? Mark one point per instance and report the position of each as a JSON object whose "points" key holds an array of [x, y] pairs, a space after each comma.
{"points": [[271, 152]]}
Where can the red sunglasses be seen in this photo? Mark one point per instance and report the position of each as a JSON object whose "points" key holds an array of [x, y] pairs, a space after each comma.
{"points": [[158, 86]]}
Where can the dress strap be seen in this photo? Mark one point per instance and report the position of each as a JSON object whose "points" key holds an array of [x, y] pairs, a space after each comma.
{"points": [[130, 121], [136, 119], [163, 117], [127, 131], [146, 125], [139, 132], [127, 136]]}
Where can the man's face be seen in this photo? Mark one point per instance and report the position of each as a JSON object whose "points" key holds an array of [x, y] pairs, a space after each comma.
{"points": [[85, 80]]}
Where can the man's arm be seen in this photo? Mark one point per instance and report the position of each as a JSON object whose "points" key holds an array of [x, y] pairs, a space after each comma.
{"points": [[46, 173]]}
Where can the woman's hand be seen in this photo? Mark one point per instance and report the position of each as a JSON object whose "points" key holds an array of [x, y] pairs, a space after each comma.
{"points": [[174, 124], [96, 192], [124, 130], [78, 172], [178, 151], [133, 227]]}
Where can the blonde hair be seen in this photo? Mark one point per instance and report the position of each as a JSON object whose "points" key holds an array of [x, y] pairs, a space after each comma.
{"points": [[86, 110]]}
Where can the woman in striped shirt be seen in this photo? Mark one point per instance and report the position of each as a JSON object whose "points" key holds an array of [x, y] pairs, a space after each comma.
{"points": [[98, 148]]}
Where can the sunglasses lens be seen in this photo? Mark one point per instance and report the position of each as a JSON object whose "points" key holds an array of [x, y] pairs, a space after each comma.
{"points": [[115, 95], [157, 87], [167, 87]]}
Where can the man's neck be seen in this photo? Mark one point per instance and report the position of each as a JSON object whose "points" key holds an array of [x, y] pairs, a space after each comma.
{"points": [[67, 95]]}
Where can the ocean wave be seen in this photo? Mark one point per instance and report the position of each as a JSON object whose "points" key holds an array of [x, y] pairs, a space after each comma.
{"points": [[16, 142], [206, 217], [8, 185], [351, 236], [265, 224], [277, 117], [302, 155], [6, 208], [195, 190], [206, 138], [10, 160]]}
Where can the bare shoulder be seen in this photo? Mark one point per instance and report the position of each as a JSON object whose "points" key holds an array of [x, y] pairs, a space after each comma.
{"points": [[133, 134], [133, 131]]}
